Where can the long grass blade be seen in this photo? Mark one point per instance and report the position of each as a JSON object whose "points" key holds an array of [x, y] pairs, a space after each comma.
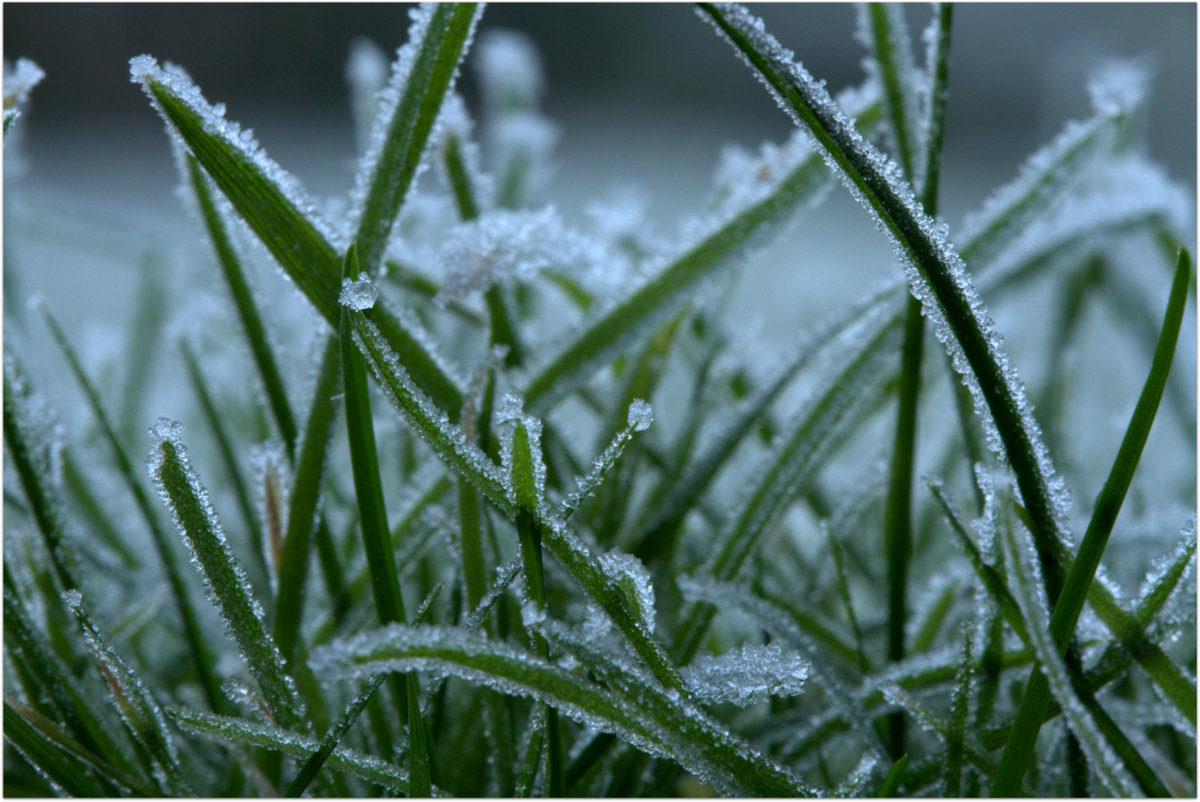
{"points": [[422, 76], [302, 504], [1066, 611], [226, 584], [293, 744], [332, 738], [660, 726], [936, 272], [61, 761]]}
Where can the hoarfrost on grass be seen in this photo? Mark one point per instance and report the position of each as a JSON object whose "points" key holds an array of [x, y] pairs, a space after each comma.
{"points": [[747, 675], [358, 294]]}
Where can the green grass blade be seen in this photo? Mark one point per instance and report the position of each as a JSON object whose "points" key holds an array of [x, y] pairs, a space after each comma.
{"points": [[1066, 611], [247, 311], [138, 708], [883, 26], [385, 584], [659, 726], [58, 758], [1011, 769], [279, 213], [937, 273], [34, 460], [145, 332], [666, 290], [201, 657], [333, 738], [891, 783], [302, 505], [422, 76], [959, 712], [180, 489], [232, 468], [97, 518], [801, 449], [293, 744]]}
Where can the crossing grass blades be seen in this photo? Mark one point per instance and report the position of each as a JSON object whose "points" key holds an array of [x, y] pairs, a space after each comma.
{"points": [[531, 519]]}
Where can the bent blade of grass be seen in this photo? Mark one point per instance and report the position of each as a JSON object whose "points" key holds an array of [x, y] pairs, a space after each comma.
{"points": [[895, 776], [226, 584], [936, 273], [279, 213], [201, 657], [294, 744], [1087, 560], [661, 726], [668, 288], [423, 74], [302, 505]]}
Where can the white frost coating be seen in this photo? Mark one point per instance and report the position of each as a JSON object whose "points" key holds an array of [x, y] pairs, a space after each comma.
{"points": [[505, 244], [641, 415], [748, 675], [1119, 86], [144, 70], [358, 294], [19, 81], [73, 599], [629, 574], [815, 96], [510, 416]]}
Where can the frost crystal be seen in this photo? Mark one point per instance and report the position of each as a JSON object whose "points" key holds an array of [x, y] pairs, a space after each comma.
{"points": [[359, 294], [748, 675], [641, 415], [20, 81]]}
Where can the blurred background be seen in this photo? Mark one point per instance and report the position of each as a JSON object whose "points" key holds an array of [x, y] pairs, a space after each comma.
{"points": [[645, 94]]}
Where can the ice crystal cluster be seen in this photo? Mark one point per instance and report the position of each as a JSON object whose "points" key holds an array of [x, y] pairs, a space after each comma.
{"points": [[514, 503]]}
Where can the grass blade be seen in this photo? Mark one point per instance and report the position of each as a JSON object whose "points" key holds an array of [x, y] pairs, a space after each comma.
{"points": [[663, 293], [937, 274], [891, 783], [332, 738], [422, 76], [180, 488], [293, 744], [385, 584], [201, 657], [302, 505], [657, 726], [60, 760], [1066, 611], [279, 213], [243, 301]]}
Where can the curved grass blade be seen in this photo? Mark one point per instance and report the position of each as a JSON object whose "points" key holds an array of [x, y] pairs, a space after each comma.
{"points": [[293, 744], [936, 274], [663, 293], [662, 725], [1069, 605], [302, 505], [422, 76], [280, 214], [202, 659], [180, 488]]}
